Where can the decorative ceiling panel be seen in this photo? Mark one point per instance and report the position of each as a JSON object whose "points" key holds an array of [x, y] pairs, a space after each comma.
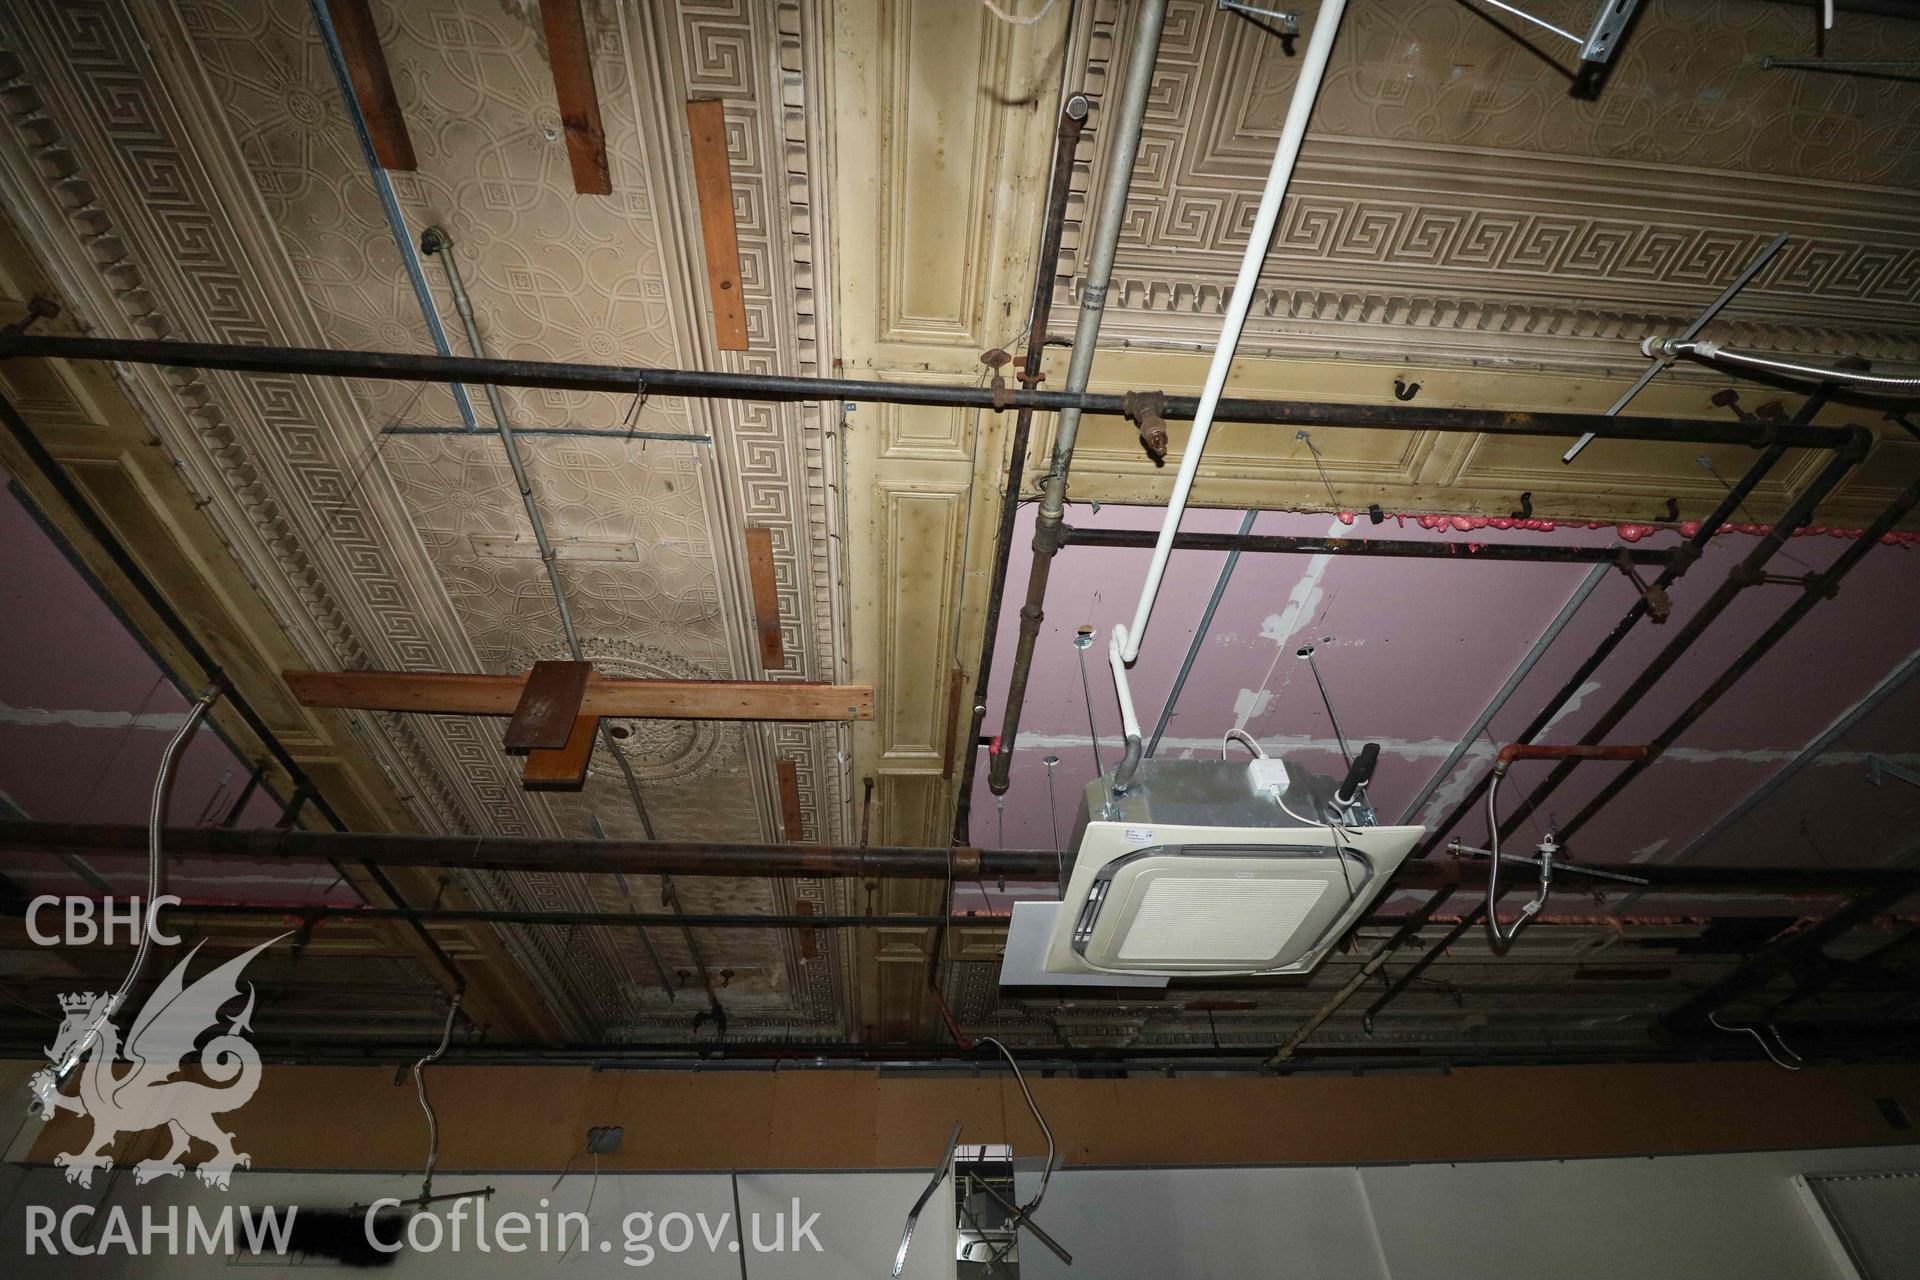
{"points": [[209, 143], [1454, 203]]}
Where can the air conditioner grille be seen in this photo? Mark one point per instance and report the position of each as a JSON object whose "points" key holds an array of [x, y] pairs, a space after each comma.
{"points": [[1218, 920]]}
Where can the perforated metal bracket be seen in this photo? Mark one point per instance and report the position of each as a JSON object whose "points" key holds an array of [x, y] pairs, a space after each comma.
{"points": [[1608, 26], [1603, 34]]}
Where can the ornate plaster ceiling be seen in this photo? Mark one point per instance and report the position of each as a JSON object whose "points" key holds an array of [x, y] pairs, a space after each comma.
{"points": [[209, 143], [187, 169]]}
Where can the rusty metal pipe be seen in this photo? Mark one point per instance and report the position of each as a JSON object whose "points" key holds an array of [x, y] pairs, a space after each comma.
{"points": [[1039, 316], [772, 388], [1743, 575], [1818, 587], [1725, 511], [22, 840]]}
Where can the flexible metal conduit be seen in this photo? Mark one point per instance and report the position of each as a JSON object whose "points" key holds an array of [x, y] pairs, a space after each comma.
{"points": [[1126, 125], [156, 820], [1714, 353]]}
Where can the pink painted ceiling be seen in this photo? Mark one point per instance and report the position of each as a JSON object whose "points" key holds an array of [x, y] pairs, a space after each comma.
{"points": [[1412, 650], [84, 717]]}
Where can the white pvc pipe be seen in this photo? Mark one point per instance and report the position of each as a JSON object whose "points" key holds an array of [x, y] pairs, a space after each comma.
{"points": [[1313, 66], [1116, 658], [1129, 722]]}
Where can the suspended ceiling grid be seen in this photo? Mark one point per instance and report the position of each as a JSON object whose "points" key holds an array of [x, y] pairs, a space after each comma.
{"points": [[1412, 651]]}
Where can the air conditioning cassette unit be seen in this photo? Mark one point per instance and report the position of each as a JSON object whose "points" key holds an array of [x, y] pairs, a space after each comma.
{"points": [[1196, 869]]}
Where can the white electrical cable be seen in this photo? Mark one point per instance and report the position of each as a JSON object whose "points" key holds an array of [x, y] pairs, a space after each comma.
{"points": [[1313, 68], [1714, 353], [156, 819], [1015, 19], [1241, 735], [1766, 1048], [1334, 829]]}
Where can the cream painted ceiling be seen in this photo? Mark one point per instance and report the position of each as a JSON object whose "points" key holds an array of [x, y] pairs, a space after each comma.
{"points": [[187, 169]]}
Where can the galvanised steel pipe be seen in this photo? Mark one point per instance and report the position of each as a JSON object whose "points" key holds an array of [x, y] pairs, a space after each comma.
{"points": [[1128, 120], [781, 388], [435, 241]]}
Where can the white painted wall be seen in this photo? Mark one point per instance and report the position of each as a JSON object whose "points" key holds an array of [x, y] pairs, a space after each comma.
{"points": [[1661, 1218], [1684, 1217]]}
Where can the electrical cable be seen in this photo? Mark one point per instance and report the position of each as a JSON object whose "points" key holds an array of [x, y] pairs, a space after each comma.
{"points": [[156, 818], [1334, 829], [1046, 1173], [420, 1089], [1015, 19], [1766, 1048]]}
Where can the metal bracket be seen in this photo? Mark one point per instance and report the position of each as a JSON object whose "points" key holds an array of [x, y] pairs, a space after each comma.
{"points": [[632, 422], [38, 308], [1608, 26], [1289, 19], [996, 360], [1659, 604], [1752, 269], [1878, 766], [1603, 34]]}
